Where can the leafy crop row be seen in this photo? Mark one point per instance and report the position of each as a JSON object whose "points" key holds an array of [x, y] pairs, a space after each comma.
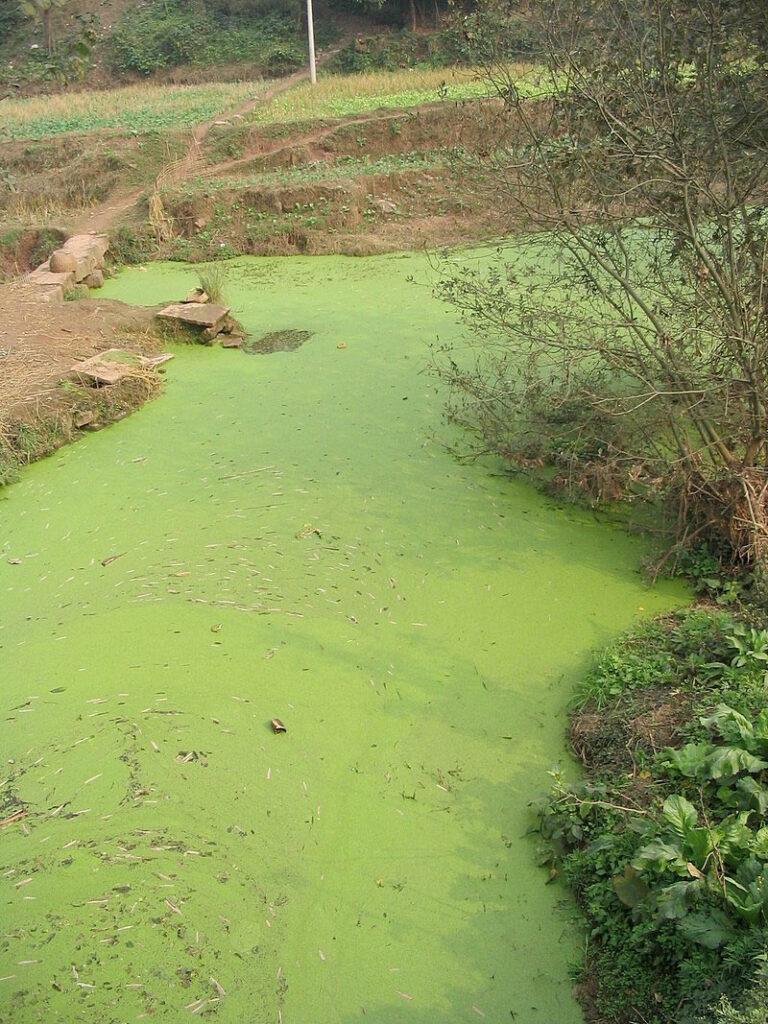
{"points": [[344, 167], [135, 109], [340, 96]]}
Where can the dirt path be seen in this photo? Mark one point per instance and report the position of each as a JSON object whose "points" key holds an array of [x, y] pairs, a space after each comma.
{"points": [[102, 217]]}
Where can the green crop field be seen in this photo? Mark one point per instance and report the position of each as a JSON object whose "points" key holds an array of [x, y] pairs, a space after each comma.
{"points": [[342, 95], [137, 109]]}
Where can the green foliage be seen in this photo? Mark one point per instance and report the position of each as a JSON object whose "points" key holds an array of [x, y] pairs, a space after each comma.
{"points": [[42, 11], [406, 49], [337, 97], [135, 110], [706, 572], [750, 1010], [10, 19], [46, 240], [9, 467], [162, 34], [670, 864], [684, 650]]}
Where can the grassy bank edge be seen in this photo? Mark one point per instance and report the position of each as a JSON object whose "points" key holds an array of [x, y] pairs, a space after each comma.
{"points": [[662, 841]]}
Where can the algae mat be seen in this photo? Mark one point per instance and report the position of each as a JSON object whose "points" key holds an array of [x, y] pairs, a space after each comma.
{"points": [[278, 537]]}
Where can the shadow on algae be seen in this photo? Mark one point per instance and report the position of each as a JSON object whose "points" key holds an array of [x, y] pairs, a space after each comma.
{"points": [[279, 537]]}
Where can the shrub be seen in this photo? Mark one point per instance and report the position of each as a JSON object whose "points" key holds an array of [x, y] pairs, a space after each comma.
{"points": [[126, 247]]}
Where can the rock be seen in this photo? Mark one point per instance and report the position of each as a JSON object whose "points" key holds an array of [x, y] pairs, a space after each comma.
{"points": [[44, 277], [209, 317], [82, 419], [88, 253], [94, 280], [62, 262], [197, 295], [233, 341], [111, 366]]}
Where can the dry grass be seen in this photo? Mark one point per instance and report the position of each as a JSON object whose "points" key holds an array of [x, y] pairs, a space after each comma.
{"points": [[22, 379]]}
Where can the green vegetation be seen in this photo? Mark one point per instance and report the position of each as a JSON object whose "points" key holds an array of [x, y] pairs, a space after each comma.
{"points": [[338, 170], [162, 34], [134, 109], [213, 280], [444, 48], [664, 842], [74, 38], [126, 247]]}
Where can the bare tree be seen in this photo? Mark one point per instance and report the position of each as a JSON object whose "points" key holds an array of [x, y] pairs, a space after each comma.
{"points": [[624, 336], [44, 11]]}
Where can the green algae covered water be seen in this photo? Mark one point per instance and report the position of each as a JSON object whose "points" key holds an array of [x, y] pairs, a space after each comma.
{"points": [[277, 536]]}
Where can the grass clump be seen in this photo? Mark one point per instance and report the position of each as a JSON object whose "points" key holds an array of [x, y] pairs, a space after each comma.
{"points": [[663, 841], [212, 279], [127, 248]]}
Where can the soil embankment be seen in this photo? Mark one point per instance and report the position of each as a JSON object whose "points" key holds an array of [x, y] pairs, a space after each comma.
{"points": [[40, 407]]}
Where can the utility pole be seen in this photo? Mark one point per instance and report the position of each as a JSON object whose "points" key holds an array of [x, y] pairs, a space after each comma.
{"points": [[311, 40]]}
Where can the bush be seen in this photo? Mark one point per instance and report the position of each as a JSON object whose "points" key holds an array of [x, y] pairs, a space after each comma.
{"points": [[153, 37], [10, 19], [126, 248]]}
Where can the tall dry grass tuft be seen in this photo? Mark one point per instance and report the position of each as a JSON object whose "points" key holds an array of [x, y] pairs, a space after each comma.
{"points": [[213, 278], [160, 221]]}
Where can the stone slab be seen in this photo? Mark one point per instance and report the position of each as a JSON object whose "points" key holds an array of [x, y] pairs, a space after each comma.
{"points": [[112, 366], [206, 316], [44, 277], [94, 280], [93, 246]]}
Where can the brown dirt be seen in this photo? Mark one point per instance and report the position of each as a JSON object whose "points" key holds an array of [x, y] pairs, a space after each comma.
{"points": [[618, 737], [39, 343], [104, 216]]}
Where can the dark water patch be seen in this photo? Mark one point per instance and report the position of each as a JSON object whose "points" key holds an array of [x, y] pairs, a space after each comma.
{"points": [[276, 341]]}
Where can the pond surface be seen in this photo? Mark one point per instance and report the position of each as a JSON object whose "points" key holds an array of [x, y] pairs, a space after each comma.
{"points": [[277, 536]]}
